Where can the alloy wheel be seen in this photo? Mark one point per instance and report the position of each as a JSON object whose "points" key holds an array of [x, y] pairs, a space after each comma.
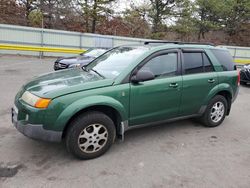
{"points": [[217, 112], [93, 138]]}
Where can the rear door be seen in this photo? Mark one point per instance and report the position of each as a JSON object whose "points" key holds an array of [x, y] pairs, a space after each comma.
{"points": [[199, 78]]}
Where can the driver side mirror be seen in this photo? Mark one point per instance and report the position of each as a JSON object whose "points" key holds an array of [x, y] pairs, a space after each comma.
{"points": [[141, 76]]}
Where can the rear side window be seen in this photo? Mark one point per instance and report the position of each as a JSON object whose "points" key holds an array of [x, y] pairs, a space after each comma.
{"points": [[208, 67], [193, 63], [225, 59], [196, 62]]}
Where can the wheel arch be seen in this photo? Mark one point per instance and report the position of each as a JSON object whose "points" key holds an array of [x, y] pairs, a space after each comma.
{"points": [[224, 90], [107, 105], [228, 97], [107, 110]]}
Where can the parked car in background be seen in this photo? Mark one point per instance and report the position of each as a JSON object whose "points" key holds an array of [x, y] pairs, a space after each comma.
{"points": [[127, 87], [78, 61], [245, 74]]}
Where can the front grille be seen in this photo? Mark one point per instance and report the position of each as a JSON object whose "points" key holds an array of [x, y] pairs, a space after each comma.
{"points": [[61, 65], [248, 74], [244, 75], [58, 65]]}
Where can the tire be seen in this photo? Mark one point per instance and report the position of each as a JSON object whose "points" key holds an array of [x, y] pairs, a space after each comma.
{"points": [[242, 83], [213, 117], [90, 135]]}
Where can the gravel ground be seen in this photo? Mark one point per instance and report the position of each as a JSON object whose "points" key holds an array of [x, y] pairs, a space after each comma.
{"points": [[179, 154]]}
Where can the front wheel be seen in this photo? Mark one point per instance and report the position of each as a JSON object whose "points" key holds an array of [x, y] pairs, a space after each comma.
{"points": [[215, 112], [90, 135]]}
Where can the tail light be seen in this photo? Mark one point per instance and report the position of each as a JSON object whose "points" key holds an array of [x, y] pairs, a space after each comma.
{"points": [[238, 79]]}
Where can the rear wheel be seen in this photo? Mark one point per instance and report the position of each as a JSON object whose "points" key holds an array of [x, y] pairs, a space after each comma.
{"points": [[215, 112], [90, 135]]}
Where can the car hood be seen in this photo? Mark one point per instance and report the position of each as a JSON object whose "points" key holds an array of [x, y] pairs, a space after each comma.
{"points": [[59, 83], [75, 60]]}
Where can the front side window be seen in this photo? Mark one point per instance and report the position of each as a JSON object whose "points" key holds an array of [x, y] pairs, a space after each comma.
{"points": [[162, 65]]}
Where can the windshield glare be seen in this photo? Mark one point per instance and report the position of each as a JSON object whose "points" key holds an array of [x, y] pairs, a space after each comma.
{"points": [[93, 52], [112, 63]]}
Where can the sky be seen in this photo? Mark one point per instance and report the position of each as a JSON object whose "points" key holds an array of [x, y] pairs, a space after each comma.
{"points": [[123, 4]]}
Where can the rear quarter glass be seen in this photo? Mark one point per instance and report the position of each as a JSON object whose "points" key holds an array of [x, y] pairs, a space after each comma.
{"points": [[225, 59]]}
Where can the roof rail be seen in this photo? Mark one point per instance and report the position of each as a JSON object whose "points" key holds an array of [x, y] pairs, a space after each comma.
{"points": [[177, 42]]}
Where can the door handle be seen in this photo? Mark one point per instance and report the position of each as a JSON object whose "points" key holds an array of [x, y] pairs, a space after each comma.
{"points": [[173, 85], [211, 80]]}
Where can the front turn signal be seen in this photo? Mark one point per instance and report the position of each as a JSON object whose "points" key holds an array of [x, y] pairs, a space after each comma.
{"points": [[42, 103]]}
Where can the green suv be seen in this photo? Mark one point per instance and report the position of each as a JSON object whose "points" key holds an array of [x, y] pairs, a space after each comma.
{"points": [[125, 88]]}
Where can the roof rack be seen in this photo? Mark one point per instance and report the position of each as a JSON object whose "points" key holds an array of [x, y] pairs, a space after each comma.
{"points": [[176, 42]]}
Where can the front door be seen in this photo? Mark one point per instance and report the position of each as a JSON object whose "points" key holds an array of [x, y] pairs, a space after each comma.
{"points": [[157, 99]]}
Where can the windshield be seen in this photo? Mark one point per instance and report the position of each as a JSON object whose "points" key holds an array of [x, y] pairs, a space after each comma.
{"points": [[94, 52], [112, 63]]}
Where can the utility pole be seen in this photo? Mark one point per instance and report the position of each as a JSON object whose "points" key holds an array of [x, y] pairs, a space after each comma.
{"points": [[42, 36]]}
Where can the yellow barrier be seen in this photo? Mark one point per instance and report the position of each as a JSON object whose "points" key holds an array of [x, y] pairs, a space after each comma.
{"points": [[69, 50], [40, 49], [242, 61]]}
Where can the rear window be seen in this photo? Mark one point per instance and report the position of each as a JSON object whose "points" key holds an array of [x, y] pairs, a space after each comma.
{"points": [[225, 59]]}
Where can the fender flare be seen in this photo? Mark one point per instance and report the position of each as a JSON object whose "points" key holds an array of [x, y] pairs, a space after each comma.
{"points": [[86, 102], [217, 89]]}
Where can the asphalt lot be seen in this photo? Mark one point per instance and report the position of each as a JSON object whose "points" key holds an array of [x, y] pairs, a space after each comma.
{"points": [[180, 154]]}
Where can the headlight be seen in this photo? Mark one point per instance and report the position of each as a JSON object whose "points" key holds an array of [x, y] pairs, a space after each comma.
{"points": [[34, 100], [75, 65]]}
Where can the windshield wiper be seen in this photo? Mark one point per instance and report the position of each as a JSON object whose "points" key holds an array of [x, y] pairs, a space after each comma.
{"points": [[98, 73]]}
